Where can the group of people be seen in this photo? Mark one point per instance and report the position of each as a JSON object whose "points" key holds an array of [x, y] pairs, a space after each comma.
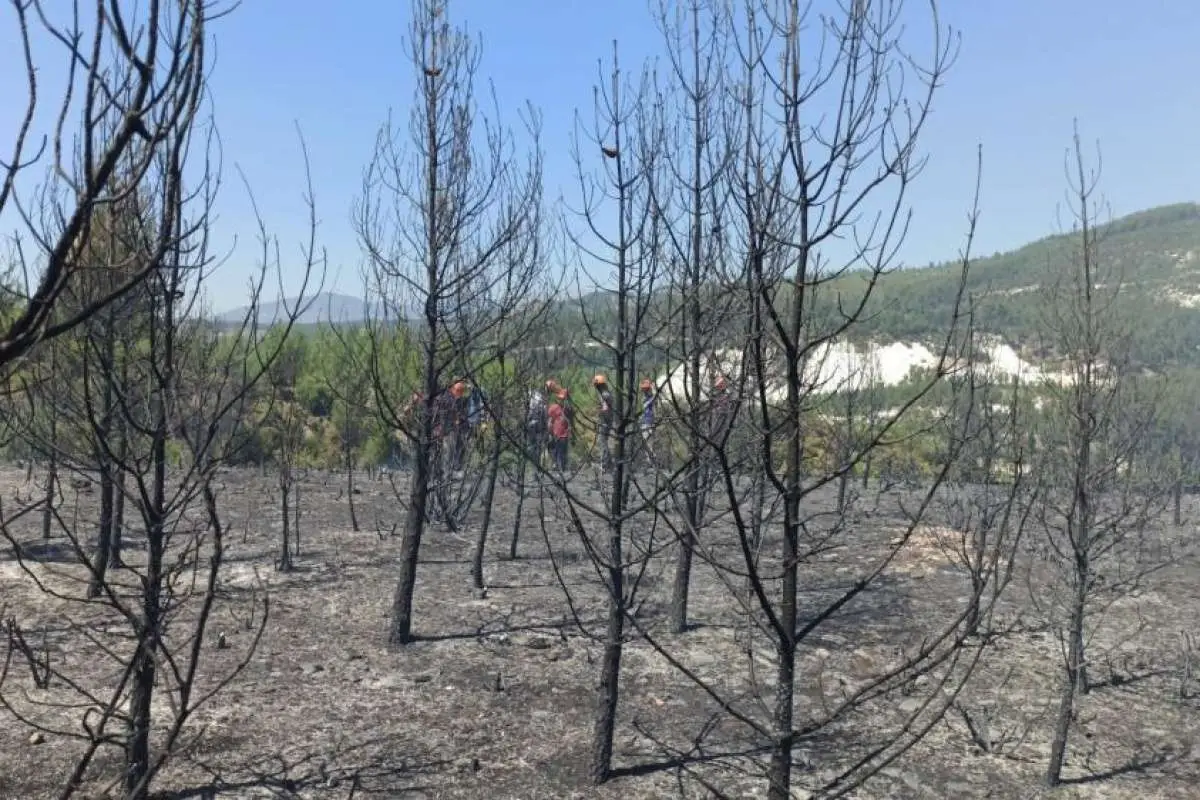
{"points": [[550, 419], [458, 412]]}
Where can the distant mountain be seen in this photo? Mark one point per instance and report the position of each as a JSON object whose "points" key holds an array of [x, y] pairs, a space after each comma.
{"points": [[1154, 254], [326, 307]]}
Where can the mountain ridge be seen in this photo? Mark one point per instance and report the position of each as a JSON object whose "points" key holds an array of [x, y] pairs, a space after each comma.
{"points": [[1155, 252]]}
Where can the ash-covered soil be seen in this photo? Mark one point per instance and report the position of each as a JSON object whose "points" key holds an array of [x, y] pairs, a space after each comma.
{"points": [[496, 698]]}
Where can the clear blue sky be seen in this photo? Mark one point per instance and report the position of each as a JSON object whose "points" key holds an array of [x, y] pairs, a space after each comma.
{"points": [[1026, 68]]}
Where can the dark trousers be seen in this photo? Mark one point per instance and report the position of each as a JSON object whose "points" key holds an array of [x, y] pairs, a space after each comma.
{"points": [[558, 452]]}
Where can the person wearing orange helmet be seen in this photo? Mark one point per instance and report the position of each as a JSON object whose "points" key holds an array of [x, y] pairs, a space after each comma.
{"points": [[604, 420], [564, 398], [647, 387], [450, 421], [646, 423], [559, 426]]}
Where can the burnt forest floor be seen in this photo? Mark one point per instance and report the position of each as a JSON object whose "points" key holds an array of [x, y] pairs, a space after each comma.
{"points": [[495, 698]]}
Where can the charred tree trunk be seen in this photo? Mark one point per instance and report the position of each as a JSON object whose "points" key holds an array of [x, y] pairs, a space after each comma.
{"points": [[118, 528], [285, 542], [418, 499], [843, 491], [296, 520], [107, 478], [1074, 681], [489, 496], [780, 776], [107, 517], [687, 545], [516, 528], [410, 546], [137, 756], [350, 490], [149, 627], [610, 666], [51, 460], [1177, 501]]}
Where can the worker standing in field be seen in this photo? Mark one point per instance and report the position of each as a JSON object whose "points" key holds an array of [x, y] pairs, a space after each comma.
{"points": [[450, 423], [604, 420], [564, 399], [476, 408], [461, 422], [559, 425], [535, 425], [646, 423]]}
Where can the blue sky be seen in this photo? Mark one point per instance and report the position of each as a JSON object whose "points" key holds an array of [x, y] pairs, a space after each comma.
{"points": [[1026, 68]]}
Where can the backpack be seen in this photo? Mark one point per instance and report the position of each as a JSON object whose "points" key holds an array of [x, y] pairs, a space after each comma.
{"points": [[475, 406], [535, 417]]}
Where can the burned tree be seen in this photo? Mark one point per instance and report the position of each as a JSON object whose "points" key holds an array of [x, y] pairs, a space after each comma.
{"points": [[692, 197], [132, 79], [348, 382], [1096, 509], [138, 643], [622, 258], [286, 422], [501, 381], [819, 210], [439, 208]]}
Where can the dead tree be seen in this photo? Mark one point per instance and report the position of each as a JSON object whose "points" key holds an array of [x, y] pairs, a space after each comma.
{"points": [[144, 633], [692, 199], [442, 199], [349, 384], [287, 421], [627, 138], [990, 494], [805, 183], [132, 77], [1096, 512], [99, 351], [496, 370]]}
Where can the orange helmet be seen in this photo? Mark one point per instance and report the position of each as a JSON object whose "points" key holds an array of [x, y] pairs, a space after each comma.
{"points": [[647, 385], [599, 380], [720, 382], [458, 389]]}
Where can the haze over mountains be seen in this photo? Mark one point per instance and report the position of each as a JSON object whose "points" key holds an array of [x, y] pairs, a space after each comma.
{"points": [[324, 307]]}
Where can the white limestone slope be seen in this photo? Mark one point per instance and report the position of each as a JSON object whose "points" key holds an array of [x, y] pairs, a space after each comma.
{"points": [[838, 366]]}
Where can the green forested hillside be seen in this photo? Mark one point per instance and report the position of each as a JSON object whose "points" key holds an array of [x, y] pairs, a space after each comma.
{"points": [[1155, 255]]}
